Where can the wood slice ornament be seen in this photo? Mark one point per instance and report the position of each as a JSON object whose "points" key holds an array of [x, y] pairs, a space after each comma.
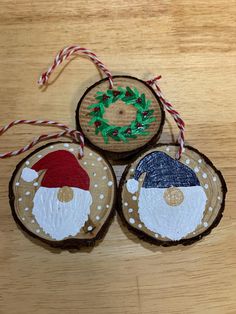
{"points": [[119, 115], [122, 120], [168, 201], [64, 201]]}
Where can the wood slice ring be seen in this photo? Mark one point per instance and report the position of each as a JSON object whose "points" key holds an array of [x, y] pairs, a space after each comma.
{"points": [[159, 196], [119, 114], [70, 202]]}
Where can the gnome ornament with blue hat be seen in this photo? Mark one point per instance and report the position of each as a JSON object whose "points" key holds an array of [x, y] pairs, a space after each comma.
{"points": [[171, 193], [171, 200], [168, 200]]}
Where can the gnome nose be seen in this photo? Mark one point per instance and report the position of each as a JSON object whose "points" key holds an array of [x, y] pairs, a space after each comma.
{"points": [[173, 196], [65, 194]]}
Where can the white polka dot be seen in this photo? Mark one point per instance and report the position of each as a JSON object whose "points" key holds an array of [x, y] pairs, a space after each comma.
{"points": [[109, 183], [104, 178], [187, 161], [105, 168], [210, 209], [196, 169], [200, 161], [132, 170], [131, 220], [23, 218], [156, 235], [53, 146], [140, 226], [39, 156], [167, 148], [36, 184], [27, 193], [37, 230], [90, 154], [20, 199], [26, 209], [107, 206], [214, 179], [97, 218], [93, 164], [32, 221], [71, 149], [66, 145], [95, 185], [90, 228], [94, 174], [99, 159], [17, 183], [206, 186], [130, 210], [99, 207], [134, 198], [205, 224], [204, 175], [85, 162], [27, 163], [219, 198], [125, 204], [101, 196]]}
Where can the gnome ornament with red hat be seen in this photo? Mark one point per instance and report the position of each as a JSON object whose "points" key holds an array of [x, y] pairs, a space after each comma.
{"points": [[64, 192]]}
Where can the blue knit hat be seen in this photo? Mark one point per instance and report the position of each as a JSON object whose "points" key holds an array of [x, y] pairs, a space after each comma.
{"points": [[162, 171]]}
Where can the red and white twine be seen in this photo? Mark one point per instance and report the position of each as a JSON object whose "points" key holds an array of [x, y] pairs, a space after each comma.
{"points": [[74, 50], [176, 116], [75, 135]]}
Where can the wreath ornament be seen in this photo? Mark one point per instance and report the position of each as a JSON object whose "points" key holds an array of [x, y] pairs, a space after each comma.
{"points": [[144, 116]]}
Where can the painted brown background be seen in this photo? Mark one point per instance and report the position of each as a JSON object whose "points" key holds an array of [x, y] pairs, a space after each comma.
{"points": [[192, 44]]}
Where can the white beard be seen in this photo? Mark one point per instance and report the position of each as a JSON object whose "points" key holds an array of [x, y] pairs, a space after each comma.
{"points": [[173, 222], [61, 219]]}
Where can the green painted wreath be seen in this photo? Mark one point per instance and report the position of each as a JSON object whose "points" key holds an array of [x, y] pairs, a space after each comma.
{"points": [[144, 116]]}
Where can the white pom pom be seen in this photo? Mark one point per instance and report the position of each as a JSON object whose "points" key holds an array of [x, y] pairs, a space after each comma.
{"points": [[132, 185], [29, 175]]}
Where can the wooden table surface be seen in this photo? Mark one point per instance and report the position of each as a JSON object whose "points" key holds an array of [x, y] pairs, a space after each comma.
{"points": [[192, 44]]}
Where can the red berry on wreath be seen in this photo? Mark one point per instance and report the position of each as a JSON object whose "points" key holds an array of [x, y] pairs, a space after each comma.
{"points": [[145, 113], [96, 109], [127, 94], [116, 93], [139, 125], [105, 97], [97, 124], [139, 100], [115, 133], [128, 131]]}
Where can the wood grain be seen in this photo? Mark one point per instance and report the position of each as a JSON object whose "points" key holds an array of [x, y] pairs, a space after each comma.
{"points": [[120, 114], [192, 44]]}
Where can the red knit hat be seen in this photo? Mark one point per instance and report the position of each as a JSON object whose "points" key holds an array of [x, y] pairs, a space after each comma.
{"points": [[62, 169]]}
